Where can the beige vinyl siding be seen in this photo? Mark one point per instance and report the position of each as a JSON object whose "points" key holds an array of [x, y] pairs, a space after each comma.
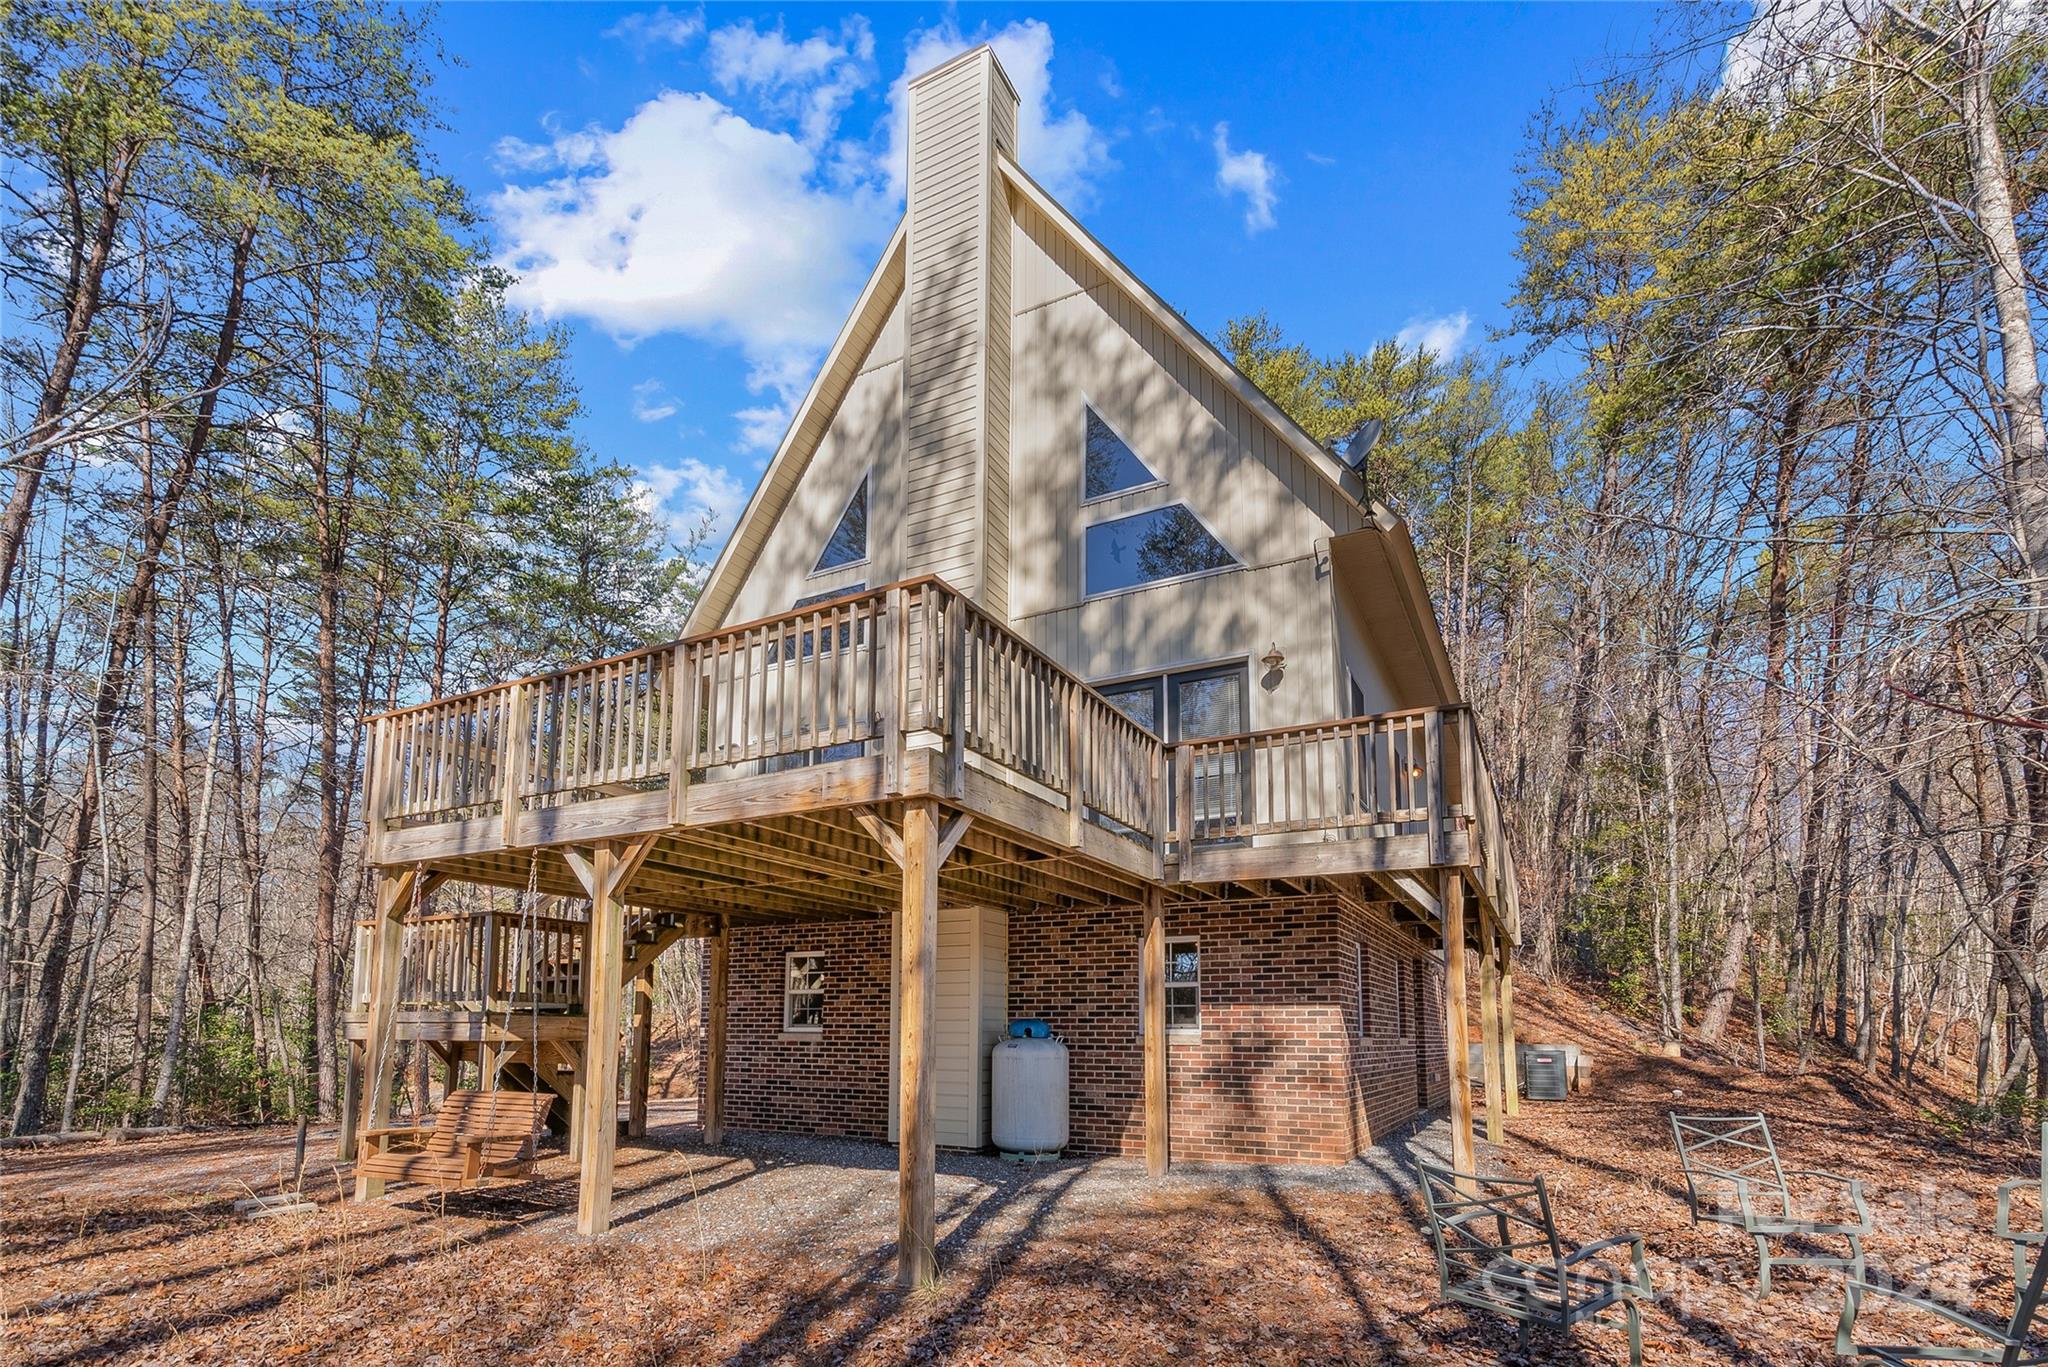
{"points": [[1051, 268], [1356, 656], [995, 1003], [995, 492], [866, 433], [1080, 340], [863, 343], [1209, 620], [956, 368], [971, 992]]}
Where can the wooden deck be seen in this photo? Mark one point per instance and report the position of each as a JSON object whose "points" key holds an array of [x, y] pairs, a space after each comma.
{"points": [[763, 758], [891, 751]]}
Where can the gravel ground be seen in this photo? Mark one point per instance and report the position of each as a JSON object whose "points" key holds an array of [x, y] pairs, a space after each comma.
{"points": [[671, 1191]]}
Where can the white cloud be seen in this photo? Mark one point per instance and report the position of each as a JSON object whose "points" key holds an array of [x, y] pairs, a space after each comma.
{"points": [[1249, 174], [813, 80], [1792, 46], [1064, 152], [749, 229], [652, 402], [1790, 39], [652, 29], [691, 219], [683, 493], [1444, 336], [762, 426]]}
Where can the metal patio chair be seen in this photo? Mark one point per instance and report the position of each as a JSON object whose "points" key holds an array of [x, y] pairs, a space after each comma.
{"points": [[2005, 1344], [1497, 1249], [1727, 1156], [2024, 1241]]}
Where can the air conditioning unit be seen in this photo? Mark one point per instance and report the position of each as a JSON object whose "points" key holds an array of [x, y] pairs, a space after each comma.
{"points": [[1546, 1072]]}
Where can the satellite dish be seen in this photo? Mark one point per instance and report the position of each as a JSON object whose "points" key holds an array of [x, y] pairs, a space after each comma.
{"points": [[1354, 448]]}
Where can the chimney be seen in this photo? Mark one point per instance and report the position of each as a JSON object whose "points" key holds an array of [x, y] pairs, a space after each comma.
{"points": [[956, 372]]}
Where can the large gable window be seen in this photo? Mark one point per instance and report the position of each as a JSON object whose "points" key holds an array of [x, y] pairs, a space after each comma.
{"points": [[849, 542], [1145, 548], [1110, 466]]}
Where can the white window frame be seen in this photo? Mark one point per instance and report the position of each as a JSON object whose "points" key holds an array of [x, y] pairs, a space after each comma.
{"points": [[1158, 481], [790, 993], [1175, 1031], [867, 550], [1238, 562]]}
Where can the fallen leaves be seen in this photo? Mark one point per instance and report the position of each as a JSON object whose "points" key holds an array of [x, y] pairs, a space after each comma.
{"points": [[133, 1254]]}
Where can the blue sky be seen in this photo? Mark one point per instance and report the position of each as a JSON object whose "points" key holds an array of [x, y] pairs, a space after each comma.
{"points": [[697, 193]]}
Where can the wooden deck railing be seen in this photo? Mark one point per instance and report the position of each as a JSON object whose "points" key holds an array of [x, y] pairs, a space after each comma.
{"points": [[482, 960], [492, 958], [859, 674]]}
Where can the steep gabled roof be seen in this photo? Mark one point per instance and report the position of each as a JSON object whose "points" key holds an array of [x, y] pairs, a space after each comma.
{"points": [[813, 418], [1201, 348], [1384, 531]]}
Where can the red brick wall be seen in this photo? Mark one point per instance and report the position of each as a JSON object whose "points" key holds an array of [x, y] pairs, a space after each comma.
{"points": [[1396, 1062], [835, 1083], [1280, 1070]]}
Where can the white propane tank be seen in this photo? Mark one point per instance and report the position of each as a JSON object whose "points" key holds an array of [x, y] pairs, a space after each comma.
{"points": [[1028, 1096]]}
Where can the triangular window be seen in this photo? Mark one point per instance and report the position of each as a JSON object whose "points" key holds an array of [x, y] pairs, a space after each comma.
{"points": [[1111, 466], [849, 542], [1144, 548]]}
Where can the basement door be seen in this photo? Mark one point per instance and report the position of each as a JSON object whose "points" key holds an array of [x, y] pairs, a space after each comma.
{"points": [[972, 991]]}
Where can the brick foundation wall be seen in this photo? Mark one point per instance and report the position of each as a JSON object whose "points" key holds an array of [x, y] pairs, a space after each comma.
{"points": [[1397, 1063], [1283, 1069], [834, 1083], [1279, 1070]]}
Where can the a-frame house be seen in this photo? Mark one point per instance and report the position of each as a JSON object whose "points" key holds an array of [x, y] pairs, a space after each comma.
{"points": [[1050, 672]]}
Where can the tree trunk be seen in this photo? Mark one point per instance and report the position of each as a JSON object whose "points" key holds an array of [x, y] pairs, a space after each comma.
{"points": [[35, 1070], [188, 926], [87, 270]]}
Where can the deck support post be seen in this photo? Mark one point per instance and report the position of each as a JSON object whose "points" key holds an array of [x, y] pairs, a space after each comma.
{"points": [[1457, 1038], [917, 1135], [396, 893], [1157, 1130], [351, 1100], [604, 873], [600, 1070], [717, 971], [1489, 1031], [577, 1092], [643, 1066], [1511, 1063]]}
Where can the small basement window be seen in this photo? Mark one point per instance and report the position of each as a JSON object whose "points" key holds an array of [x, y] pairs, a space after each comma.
{"points": [[803, 993], [1183, 984]]}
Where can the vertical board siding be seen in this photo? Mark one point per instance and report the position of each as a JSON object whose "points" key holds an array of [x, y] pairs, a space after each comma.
{"points": [[1208, 620], [1078, 340], [969, 991]]}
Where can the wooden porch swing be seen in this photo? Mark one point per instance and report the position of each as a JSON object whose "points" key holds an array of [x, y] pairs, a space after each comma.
{"points": [[475, 1136]]}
